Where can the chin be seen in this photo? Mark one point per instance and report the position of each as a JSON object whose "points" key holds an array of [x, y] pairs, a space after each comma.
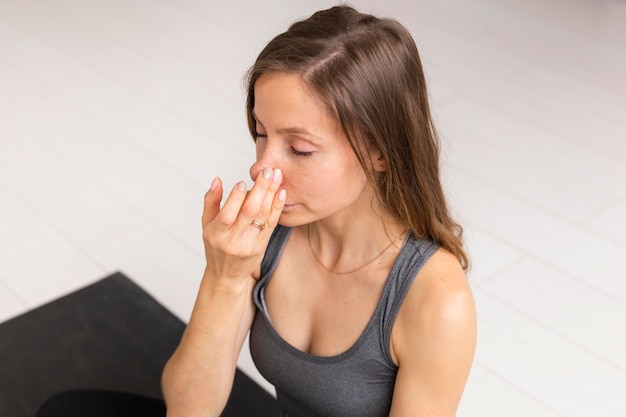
{"points": [[290, 221]]}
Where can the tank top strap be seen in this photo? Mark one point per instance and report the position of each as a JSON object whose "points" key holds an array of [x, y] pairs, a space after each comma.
{"points": [[272, 252], [413, 255]]}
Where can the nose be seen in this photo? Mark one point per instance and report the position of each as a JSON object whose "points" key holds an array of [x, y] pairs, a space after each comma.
{"points": [[255, 169], [264, 159]]}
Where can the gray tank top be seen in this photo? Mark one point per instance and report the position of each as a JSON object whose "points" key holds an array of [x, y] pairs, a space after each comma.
{"points": [[356, 383]]}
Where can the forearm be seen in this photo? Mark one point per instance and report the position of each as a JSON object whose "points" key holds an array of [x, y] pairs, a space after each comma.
{"points": [[198, 378]]}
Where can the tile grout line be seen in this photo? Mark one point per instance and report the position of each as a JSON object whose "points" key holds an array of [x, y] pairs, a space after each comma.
{"points": [[553, 331]]}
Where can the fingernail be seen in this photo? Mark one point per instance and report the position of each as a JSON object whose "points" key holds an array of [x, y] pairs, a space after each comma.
{"points": [[267, 173], [277, 175], [214, 184], [282, 194], [242, 186]]}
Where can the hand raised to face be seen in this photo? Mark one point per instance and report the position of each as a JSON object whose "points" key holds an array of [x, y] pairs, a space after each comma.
{"points": [[236, 234]]}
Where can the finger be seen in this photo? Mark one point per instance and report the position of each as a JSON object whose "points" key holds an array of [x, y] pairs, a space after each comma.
{"points": [[270, 196], [212, 201], [277, 208], [268, 208], [229, 212], [257, 205]]}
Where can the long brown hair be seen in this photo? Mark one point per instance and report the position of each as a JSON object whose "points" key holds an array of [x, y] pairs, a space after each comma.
{"points": [[368, 73]]}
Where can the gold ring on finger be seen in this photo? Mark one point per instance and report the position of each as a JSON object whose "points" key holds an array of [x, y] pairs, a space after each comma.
{"points": [[258, 225]]}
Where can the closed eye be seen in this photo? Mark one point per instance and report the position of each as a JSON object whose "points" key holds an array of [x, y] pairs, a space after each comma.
{"points": [[300, 153]]}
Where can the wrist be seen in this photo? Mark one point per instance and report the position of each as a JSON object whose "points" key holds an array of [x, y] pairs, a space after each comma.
{"points": [[224, 286]]}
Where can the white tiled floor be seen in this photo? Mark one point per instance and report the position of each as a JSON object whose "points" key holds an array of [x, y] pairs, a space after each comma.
{"points": [[115, 116]]}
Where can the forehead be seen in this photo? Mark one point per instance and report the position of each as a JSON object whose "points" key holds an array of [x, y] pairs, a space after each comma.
{"points": [[284, 97]]}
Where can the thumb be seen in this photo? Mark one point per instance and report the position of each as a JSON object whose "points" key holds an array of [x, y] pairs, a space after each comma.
{"points": [[257, 272]]}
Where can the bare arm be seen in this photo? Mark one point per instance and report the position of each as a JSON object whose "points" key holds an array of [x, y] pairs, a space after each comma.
{"points": [[433, 341], [198, 378]]}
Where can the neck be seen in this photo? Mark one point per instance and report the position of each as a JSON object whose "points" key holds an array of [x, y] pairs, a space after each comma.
{"points": [[335, 271], [343, 246]]}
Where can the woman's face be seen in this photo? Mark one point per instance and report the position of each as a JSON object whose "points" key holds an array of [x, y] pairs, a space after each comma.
{"points": [[296, 133]]}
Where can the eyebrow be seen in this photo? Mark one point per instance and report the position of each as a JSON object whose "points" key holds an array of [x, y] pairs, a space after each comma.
{"points": [[297, 130]]}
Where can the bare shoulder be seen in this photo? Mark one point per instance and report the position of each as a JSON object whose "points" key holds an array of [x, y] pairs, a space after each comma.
{"points": [[439, 308], [440, 287], [433, 340]]}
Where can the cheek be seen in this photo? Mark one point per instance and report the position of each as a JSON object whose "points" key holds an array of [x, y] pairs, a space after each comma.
{"points": [[320, 178], [322, 183]]}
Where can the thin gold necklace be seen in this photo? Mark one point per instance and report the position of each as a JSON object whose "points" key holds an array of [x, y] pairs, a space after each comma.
{"points": [[308, 236]]}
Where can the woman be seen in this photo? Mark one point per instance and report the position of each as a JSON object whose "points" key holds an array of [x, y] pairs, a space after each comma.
{"points": [[342, 261]]}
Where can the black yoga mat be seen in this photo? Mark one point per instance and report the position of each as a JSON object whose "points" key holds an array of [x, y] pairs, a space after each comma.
{"points": [[110, 335]]}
